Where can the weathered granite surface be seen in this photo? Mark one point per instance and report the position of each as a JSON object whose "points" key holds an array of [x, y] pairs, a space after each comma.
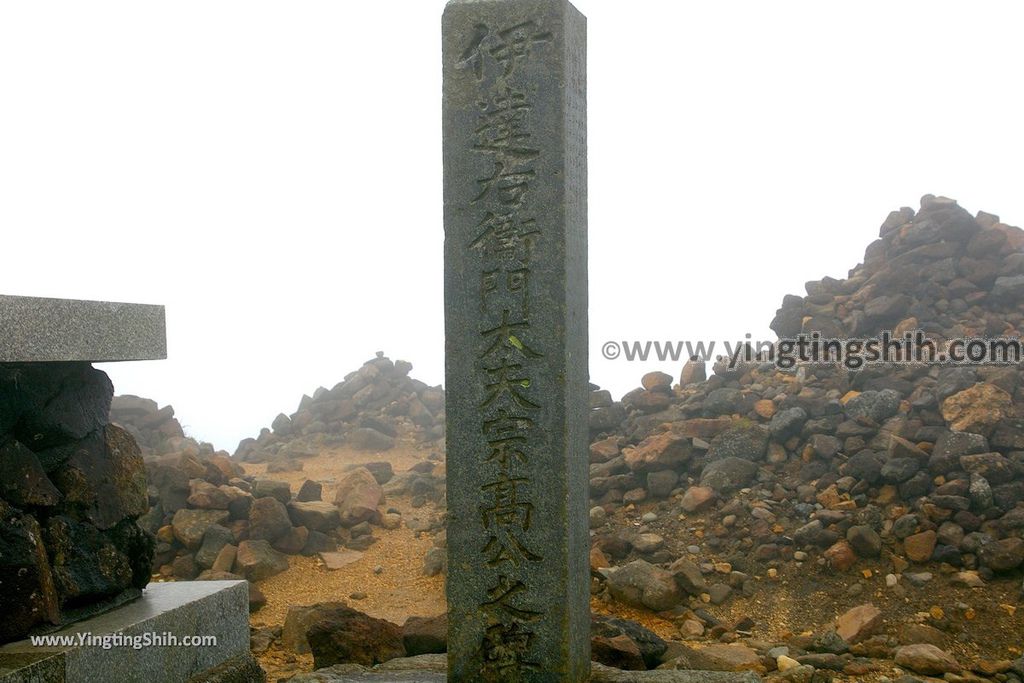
{"points": [[515, 180], [34, 329], [432, 669], [207, 608]]}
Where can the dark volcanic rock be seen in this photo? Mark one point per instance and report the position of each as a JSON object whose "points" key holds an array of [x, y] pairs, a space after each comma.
{"points": [[647, 643], [104, 478], [268, 519], [787, 423], [728, 474], [747, 442], [309, 491], [86, 564], [898, 470], [866, 465], [314, 515], [641, 584], [190, 525], [64, 402], [257, 560], [425, 635], [874, 406], [214, 540], [72, 488], [22, 479], [369, 439], [339, 634], [29, 596], [1004, 555]]}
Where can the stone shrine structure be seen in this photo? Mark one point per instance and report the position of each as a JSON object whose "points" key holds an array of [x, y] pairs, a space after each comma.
{"points": [[73, 560]]}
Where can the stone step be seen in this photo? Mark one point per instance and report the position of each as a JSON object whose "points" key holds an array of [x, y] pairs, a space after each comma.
{"points": [[188, 608]]}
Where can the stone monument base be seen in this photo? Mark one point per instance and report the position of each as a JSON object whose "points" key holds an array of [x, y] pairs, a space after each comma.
{"points": [[143, 641], [434, 668]]}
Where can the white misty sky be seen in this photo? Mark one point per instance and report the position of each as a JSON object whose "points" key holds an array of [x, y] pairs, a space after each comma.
{"points": [[271, 172]]}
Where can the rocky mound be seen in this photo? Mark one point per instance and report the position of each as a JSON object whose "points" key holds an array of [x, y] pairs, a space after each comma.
{"points": [[155, 428], [941, 444], [212, 521], [913, 471], [368, 410], [939, 270], [720, 489]]}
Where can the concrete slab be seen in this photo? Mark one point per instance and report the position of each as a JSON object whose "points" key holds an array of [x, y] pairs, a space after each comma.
{"points": [[141, 641], [34, 329]]}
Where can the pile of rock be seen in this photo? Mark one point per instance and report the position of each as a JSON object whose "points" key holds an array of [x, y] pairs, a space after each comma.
{"points": [[71, 488], [213, 522], [939, 270], [155, 428], [916, 471], [370, 410], [924, 462]]}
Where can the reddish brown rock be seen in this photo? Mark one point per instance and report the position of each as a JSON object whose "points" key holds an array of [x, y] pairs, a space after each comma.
{"points": [[205, 496], [702, 427], [977, 409], [765, 408], [293, 541], [693, 372], [649, 401], [926, 659], [840, 556], [656, 381], [357, 497], [598, 560], [225, 560], [858, 623], [661, 451], [919, 547], [605, 449], [697, 498], [913, 634], [728, 657], [339, 634], [617, 651]]}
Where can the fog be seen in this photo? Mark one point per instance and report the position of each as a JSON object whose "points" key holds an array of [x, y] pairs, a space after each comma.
{"points": [[271, 172]]}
